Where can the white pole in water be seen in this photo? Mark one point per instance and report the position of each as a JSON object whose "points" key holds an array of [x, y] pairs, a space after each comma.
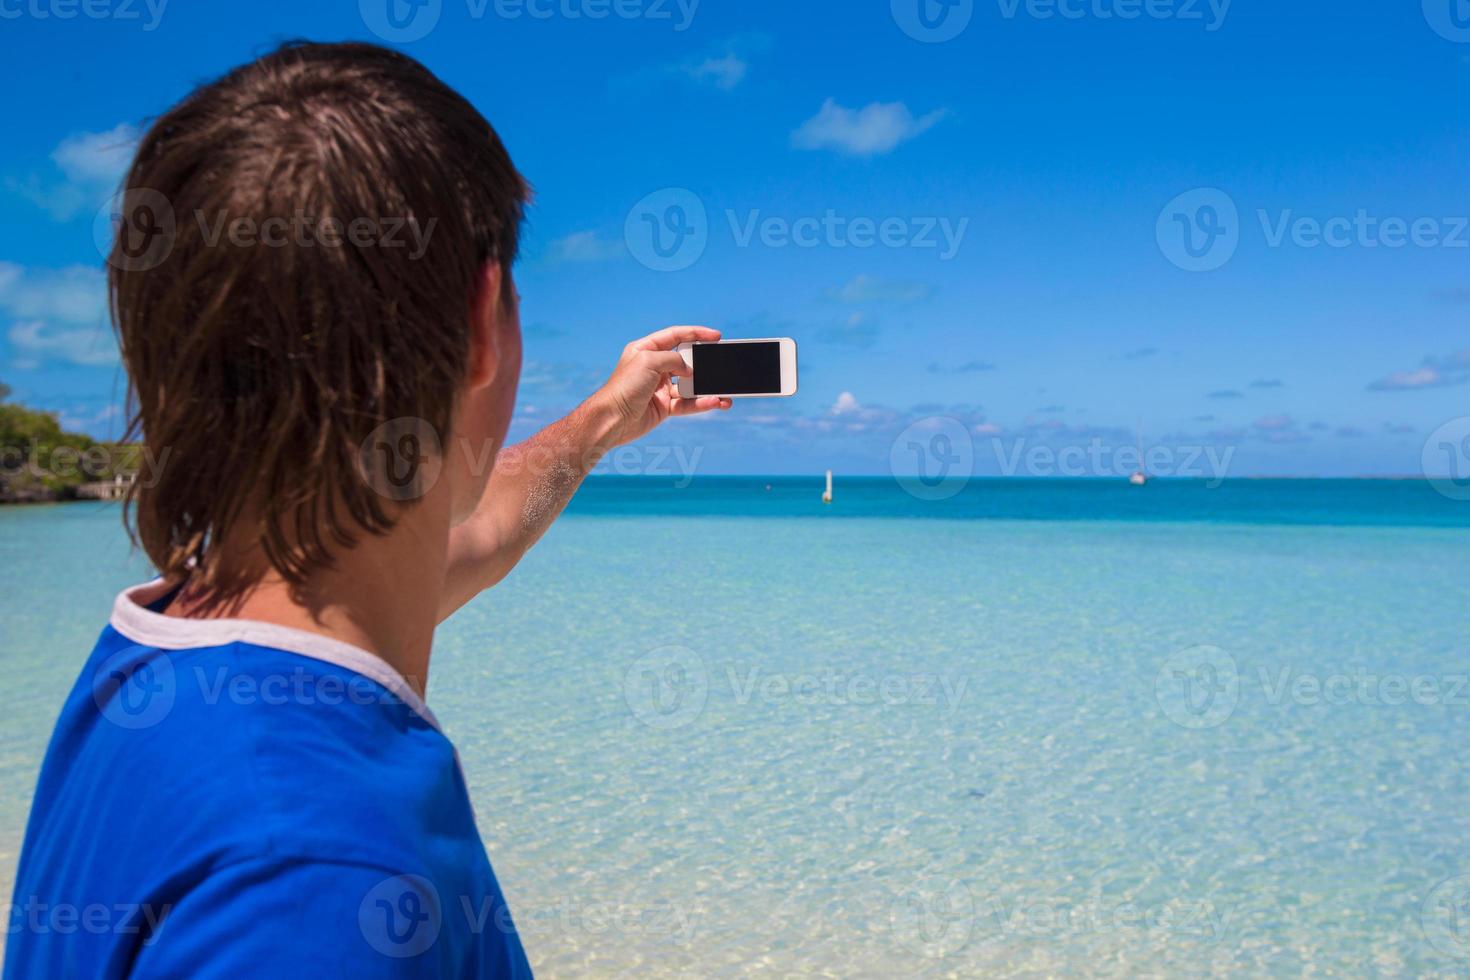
{"points": [[827, 497]]}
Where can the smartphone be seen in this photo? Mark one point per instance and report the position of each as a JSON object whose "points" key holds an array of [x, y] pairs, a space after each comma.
{"points": [[740, 369]]}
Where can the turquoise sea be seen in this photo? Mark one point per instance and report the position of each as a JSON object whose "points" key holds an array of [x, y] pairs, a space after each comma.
{"points": [[1039, 728]]}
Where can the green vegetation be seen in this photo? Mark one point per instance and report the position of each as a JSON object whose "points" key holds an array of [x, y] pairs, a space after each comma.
{"points": [[40, 461]]}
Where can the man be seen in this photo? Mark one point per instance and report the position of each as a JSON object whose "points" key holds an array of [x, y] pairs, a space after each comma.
{"points": [[246, 779]]}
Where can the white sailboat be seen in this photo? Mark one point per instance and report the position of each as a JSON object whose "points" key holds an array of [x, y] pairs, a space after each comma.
{"points": [[1140, 478], [827, 494]]}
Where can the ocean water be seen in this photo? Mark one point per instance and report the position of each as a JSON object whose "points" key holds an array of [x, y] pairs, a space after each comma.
{"points": [[1040, 728]]}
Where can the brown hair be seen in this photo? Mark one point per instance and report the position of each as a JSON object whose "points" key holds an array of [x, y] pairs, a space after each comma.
{"points": [[263, 340]]}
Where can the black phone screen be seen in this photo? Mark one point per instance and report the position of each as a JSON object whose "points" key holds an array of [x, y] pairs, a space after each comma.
{"points": [[737, 369]]}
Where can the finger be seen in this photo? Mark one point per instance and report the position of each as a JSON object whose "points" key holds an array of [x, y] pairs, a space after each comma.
{"points": [[671, 337], [696, 406], [666, 362]]}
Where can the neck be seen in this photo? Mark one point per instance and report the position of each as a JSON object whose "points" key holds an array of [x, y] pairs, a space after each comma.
{"points": [[383, 595]]}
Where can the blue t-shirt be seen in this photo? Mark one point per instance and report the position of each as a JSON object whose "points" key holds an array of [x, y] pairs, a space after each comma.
{"points": [[228, 798]]}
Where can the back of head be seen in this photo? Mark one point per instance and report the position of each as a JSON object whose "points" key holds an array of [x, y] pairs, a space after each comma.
{"points": [[332, 209]]}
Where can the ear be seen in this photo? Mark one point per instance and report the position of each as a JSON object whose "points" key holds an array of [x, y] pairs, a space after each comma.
{"points": [[485, 313]]}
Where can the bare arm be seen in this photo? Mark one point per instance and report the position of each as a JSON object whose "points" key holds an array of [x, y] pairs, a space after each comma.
{"points": [[533, 481]]}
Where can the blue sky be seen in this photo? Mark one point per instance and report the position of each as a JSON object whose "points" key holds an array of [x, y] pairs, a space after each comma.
{"points": [[981, 235]]}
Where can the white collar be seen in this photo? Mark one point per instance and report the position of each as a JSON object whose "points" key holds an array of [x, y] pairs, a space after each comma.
{"points": [[133, 619]]}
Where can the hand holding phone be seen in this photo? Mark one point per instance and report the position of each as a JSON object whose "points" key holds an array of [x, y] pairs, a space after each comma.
{"points": [[763, 368]]}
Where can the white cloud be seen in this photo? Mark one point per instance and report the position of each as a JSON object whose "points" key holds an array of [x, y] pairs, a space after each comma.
{"points": [[76, 294], [92, 166], [60, 316], [85, 420], [1437, 372], [584, 246], [869, 289], [846, 404], [97, 158], [723, 65], [876, 128], [37, 342], [724, 72], [857, 331], [1408, 380], [968, 367]]}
